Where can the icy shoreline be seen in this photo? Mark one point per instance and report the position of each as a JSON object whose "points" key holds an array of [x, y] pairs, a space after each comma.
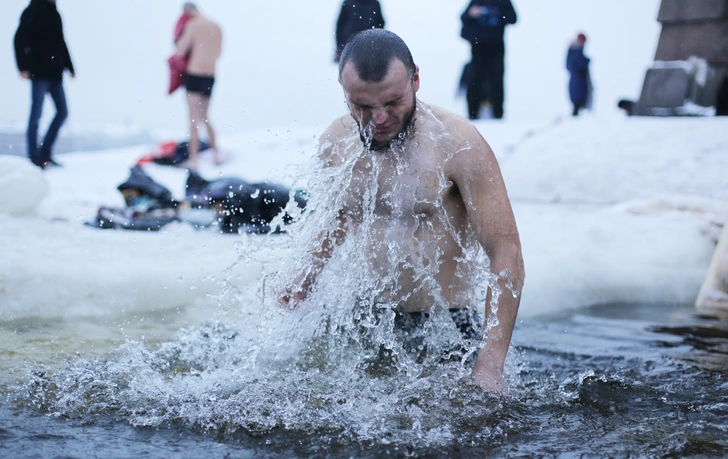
{"points": [[608, 211]]}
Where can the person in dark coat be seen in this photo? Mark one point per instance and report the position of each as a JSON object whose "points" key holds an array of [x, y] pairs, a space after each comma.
{"points": [[484, 23], [42, 56], [355, 16], [578, 66]]}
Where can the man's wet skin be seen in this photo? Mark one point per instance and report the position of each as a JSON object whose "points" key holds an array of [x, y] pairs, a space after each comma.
{"points": [[418, 228]]}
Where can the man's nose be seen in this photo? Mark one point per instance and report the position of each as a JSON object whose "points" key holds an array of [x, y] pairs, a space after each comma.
{"points": [[379, 115]]}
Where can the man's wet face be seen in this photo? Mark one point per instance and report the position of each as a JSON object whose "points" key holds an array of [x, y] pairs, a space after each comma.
{"points": [[384, 109]]}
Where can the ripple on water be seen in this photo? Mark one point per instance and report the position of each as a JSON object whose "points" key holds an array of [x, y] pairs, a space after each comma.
{"points": [[319, 403]]}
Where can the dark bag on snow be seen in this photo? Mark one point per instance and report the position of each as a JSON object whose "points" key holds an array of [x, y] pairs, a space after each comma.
{"points": [[250, 207], [139, 186]]}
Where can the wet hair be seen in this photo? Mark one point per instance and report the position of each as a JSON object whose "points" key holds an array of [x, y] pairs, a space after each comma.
{"points": [[372, 51], [189, 6]]}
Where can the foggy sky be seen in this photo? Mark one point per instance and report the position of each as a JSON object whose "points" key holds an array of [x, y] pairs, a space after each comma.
{"points": [[276, 68]]}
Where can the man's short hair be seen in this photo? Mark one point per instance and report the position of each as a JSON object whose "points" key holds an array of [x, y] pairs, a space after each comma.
{"points": [[371, 51], [189, 6]]}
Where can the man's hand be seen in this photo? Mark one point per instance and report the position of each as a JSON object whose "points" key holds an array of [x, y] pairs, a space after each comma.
{"points": [[494, 383], [292, 298], [25, 75], [296, 292], [488, 374]]}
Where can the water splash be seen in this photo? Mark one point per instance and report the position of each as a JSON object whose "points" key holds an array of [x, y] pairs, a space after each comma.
{"points": [[619, 393], [348, 363]]}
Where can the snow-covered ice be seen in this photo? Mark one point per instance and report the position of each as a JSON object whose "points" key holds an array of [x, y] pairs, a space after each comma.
{"points": [[616, 210]]}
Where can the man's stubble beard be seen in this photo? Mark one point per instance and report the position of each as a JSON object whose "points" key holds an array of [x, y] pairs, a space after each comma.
{"points": [[399, 139]]}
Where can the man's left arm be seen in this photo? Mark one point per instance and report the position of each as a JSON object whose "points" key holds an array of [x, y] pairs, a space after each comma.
{"points": [[68, 64], [483, 190]]}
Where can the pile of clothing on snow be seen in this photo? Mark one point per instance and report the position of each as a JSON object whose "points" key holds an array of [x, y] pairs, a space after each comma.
{"points": [[229, 204]]}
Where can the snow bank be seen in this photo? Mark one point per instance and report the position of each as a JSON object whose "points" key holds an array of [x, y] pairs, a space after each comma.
{"points": [[22, 186], [607, 210]]}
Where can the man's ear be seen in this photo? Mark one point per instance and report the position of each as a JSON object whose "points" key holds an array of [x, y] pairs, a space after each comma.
{"points": [[416, 79]]}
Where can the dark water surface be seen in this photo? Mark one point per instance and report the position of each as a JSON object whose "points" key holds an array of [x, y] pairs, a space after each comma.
{"points": [[623, 380]]}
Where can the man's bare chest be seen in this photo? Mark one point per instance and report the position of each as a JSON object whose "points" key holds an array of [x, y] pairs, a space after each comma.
{"points": [[402, 188]]}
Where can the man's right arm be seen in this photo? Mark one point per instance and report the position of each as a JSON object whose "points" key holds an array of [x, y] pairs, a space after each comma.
{"points": [[325, 243], [302, 285], [184, 44]]}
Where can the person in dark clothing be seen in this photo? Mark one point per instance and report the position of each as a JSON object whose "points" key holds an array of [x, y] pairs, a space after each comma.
{"points": [[42, 56], [355, 16], [578, 66], [484, 23]]}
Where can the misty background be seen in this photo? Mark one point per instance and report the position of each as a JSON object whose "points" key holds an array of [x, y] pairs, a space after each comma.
{"points": [[276, 71]]}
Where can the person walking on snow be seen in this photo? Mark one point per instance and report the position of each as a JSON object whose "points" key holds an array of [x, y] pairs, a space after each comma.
{"points": [[42, 56]]}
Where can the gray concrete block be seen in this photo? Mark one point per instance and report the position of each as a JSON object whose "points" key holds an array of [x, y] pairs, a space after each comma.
{"points": [[691, 10], [709, 40], [666, 87]]}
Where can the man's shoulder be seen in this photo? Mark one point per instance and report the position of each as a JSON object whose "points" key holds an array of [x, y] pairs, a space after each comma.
{"points": [[461, 136], [339, 132], [338, 129], [456, 125], [214, 24], [198, 22]]}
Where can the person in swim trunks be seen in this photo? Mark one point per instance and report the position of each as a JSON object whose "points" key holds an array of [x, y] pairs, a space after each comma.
{"points": [[416, 196], [466, 320], [199, 84], [201, 42]]}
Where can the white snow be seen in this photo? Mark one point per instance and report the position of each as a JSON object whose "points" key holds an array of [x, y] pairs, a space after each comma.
{"points": [[608, 211], [22, 186]]}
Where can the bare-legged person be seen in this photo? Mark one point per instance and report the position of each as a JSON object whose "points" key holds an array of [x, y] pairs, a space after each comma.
{"points": [[199, 107], [201, 43], [42, 57]]}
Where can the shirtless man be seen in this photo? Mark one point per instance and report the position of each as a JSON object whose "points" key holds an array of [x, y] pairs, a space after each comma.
{"points": [[201, 42], [426, 190]]}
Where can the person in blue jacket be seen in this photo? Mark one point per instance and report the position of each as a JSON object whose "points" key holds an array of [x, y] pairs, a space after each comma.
{"points": [[42, 56], [484, 23], [579, 82]]}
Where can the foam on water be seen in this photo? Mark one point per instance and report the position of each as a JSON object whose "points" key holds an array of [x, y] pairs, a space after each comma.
{"points": [[623, 390]]}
